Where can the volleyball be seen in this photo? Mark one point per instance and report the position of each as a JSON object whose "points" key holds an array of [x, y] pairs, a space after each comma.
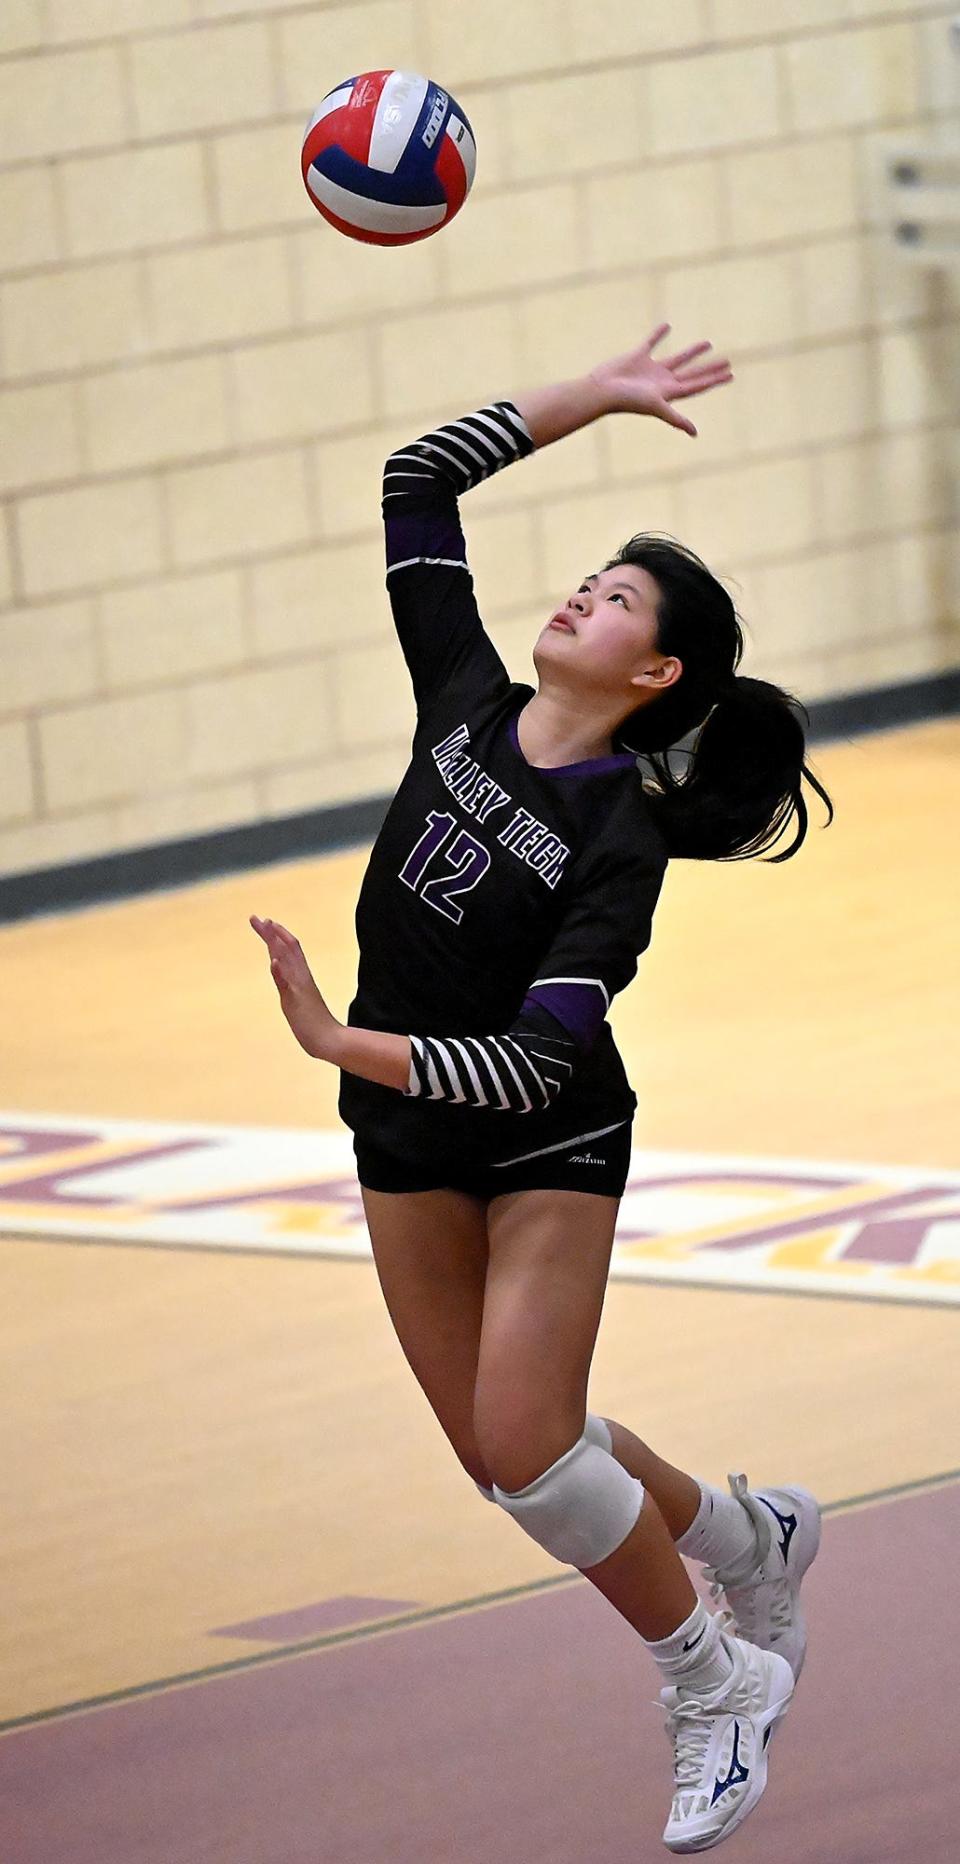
{"points": [[388, 157]]}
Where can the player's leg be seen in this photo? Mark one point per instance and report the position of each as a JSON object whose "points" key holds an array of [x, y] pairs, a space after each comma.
{"points": [[549, 1254], [546, 1279], [430, 1250], [756, 1545]]}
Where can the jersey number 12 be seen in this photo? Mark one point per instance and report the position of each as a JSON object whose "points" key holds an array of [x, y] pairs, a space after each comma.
{"points": [[468, 859]]}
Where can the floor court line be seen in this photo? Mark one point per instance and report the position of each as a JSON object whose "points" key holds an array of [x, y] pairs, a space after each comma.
{"points": [[404, 1622]]}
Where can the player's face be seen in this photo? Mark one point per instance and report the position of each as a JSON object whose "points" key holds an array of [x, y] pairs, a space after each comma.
{"points": [[612, 628]]}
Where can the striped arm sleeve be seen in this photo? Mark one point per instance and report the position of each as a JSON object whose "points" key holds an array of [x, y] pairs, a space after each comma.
{"points": [[522, 1070], [428, 577]]}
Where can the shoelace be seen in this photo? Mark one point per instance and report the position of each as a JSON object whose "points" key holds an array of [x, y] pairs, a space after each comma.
{"points": [[690, 1722], [740, 1583], [690, 1728]]}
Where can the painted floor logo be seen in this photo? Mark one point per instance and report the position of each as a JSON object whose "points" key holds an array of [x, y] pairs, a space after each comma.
{"points": [[884, 1231]]}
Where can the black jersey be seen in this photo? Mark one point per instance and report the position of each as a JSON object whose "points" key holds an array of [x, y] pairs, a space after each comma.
{"points": [[503, 905]]}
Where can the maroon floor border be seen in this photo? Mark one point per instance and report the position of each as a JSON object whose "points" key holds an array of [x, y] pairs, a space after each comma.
{"points": [[524, 1730]]}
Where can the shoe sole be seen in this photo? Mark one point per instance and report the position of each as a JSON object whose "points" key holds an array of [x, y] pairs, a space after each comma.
{"points": [[766, 1723], [809, 1528]]}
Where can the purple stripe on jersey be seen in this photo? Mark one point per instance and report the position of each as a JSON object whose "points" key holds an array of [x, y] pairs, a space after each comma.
{"points": [[422, 534], [619, 761], [579, 1007]]}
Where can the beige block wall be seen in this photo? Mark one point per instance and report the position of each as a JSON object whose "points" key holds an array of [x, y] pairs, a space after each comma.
{"points": [[200, 381]]}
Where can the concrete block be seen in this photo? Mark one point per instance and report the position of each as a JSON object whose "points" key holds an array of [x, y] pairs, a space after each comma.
{"points": [[16, 771], [28, 218], [754, 511], [301, 386], [22, 26], [258, 183], [834, 287], [867, 76], [714, 102], [258, 719], [112, 749], [582, 533], [339, 779], [111, 19], [368, 35], [667, 212], [498, 40], [563, 332], [524, 236], [94, 534], [141, 197], [371, 696], [219, 294], [471, 351], [57, 321], [539, 114], [162, 411], [48, 655], [62, 101], [316, 599], [40, 435], [239, 508], [792, 192], [172, 629], [739, 304], [334, 284], [202, 78]]}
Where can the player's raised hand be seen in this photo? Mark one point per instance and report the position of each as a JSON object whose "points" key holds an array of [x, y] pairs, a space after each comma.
{"points": [[313, 1024], [640, 383]]}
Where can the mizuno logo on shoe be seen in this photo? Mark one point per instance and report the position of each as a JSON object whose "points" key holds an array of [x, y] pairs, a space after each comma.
{"points": [[788, 1525], [738, 1773]]}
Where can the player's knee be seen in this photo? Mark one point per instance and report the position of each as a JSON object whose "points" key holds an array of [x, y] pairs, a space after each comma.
{"points": [[519, 1435], [581, 1509], [519, 1439]]}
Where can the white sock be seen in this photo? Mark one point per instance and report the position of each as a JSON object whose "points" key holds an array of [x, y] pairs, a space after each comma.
{"points": [[721, 1533], [704, 1667]]}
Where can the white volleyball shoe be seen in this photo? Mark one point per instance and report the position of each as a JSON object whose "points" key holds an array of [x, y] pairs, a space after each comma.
{"points": [[720, 1745], [762, 1590]]}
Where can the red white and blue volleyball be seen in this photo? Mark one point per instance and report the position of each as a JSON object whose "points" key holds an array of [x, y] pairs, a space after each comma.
{"points": [[388, 157]]}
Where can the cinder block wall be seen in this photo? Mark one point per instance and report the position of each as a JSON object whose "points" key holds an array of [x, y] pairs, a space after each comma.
{"points": [[199, 380]]}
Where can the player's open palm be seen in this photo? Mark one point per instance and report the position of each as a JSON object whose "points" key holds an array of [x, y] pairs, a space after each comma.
{"points": [[640, 383], [300, 1000]]}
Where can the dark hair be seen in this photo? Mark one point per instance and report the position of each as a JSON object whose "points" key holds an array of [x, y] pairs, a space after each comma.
{"points": [[742, 784]]}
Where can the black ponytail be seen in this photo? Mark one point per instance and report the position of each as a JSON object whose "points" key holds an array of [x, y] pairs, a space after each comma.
{"points": [[741, 788]]}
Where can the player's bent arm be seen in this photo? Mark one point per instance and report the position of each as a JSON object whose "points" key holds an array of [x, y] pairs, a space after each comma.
{"points": [[461, 453], [373, 1054], [516, 1071]]}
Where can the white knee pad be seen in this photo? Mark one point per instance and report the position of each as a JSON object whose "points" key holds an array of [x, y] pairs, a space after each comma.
{"points": [[596, 1430], [581, 1509]]}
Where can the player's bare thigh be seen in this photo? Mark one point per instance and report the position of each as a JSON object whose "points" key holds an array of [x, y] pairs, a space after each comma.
{"points": [[430, 1249], [545, 1287]]}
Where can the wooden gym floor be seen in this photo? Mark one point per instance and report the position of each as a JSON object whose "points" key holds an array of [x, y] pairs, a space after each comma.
{"points": [[250, 1598]]}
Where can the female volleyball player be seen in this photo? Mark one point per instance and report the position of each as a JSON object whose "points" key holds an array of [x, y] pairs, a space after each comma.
{"points": [[508, 896]]}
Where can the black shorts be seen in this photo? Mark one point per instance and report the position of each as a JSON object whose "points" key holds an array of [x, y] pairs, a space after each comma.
{"points": [[596, 1161]]}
